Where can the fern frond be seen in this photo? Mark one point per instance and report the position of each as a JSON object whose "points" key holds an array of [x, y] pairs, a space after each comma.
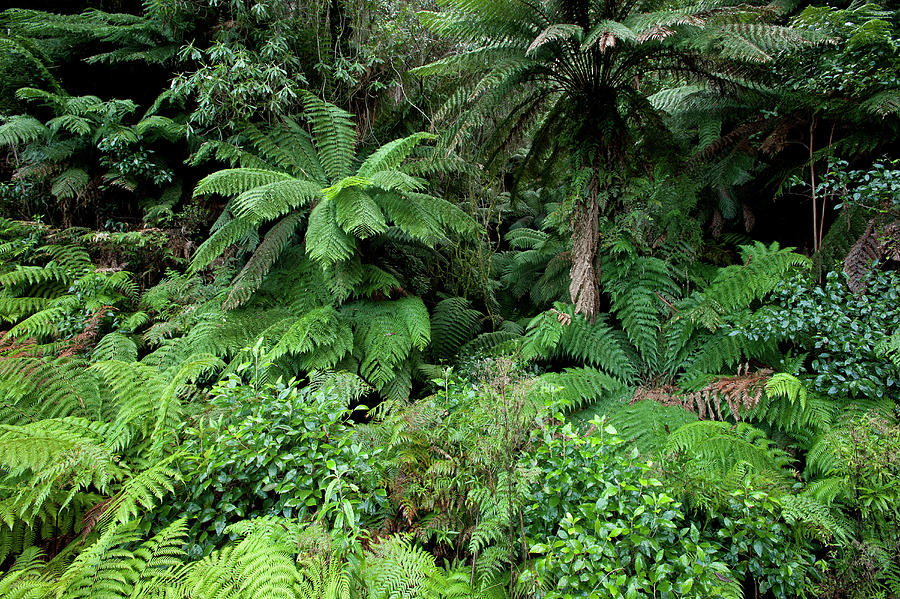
{"points": [[235, 231], [453, 323], [115, 346], [334, 133], [392, 154], [557, 333], [22, 129], [649, 423], [723, 446], [272, 200], [386, 334], [395, 568], [140, 493], [260, 263], [321, 336], [236, 181], [575, 388], [635, 286], [357, 214], [826, 524], [326, 242]]}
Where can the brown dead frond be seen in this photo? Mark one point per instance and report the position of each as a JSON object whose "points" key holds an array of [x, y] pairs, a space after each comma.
{"points": [[656, 33], [739, 393], [86, 337], [733, 137], [749, 217], [95, 515], [563, 318], [859, 259], [607, 40]]}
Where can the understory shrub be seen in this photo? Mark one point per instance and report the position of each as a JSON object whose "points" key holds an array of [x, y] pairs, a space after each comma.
{"points": [[842, 331], [603, 526], [273, 449]]}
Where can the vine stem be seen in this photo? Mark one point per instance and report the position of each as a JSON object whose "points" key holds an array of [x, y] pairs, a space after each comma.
{"points": [[812, 176]]}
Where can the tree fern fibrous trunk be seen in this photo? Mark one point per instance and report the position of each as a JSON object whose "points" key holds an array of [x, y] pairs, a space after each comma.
{"points": [[584, 288]]}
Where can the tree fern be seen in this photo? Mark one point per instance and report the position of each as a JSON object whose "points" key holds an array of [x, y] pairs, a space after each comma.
{"points": [[347, 207]]}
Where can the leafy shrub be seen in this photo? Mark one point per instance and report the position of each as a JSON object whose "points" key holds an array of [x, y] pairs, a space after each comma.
{"points": [[273, 449], [760, 547], [842, 331], [605, 527]]}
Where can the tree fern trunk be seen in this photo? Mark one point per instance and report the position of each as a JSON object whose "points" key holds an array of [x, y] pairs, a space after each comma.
{"points": [[584, 288]]}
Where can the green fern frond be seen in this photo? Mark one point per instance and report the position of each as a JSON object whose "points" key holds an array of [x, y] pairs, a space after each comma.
{"points": [[386, 334], [765, 267], [324, 577], [22, 129], [235, 231], [575, 388], [115, 346], [141, 493], [260, 263], [635, 286], [321, 336], [392, 154], [272, 200], [357, 214], [723, 446], [236, 181], [453, 323], [785, 385], [492, 343], [396, 569], [334, 133], [890, 348], [596, 344], [825, 523], [326, 242], [649, 423]]}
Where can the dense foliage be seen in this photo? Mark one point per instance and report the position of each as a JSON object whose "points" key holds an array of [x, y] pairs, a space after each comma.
{"points": [[408, 299]]}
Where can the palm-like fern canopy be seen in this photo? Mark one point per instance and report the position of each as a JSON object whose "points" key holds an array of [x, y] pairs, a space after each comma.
{"points": [[575, 74], [315, 178]]}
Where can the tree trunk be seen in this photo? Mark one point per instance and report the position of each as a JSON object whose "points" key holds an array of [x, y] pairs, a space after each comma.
{"points": [[584, 288]]}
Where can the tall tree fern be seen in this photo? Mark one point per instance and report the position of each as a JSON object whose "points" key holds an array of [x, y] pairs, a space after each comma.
{"points": [[573, 75], [321, 203]]}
